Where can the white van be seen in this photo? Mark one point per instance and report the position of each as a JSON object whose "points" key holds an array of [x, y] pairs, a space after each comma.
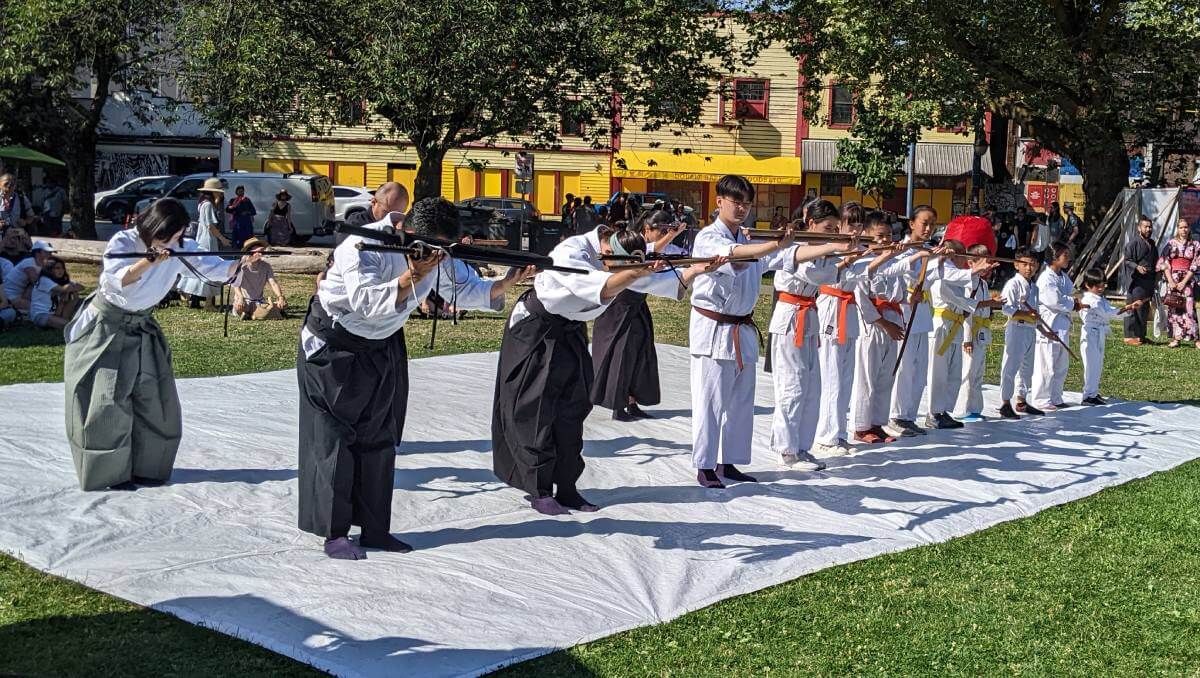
{"points": [[312, 197]]}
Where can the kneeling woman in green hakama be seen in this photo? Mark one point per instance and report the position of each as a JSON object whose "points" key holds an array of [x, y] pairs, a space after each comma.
{"points": [[123, 415]]}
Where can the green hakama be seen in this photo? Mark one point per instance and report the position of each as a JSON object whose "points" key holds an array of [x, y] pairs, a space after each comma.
{"points": [[123, 413]]}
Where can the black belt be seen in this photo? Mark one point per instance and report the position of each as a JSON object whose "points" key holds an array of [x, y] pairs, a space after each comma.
{"points": [[326, 329]]}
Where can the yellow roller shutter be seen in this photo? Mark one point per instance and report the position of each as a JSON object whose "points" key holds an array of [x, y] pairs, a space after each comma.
{"points": [[492, 183], [543, 192], [464, 183], [943, 202], [350, 174], [570, 184], [315, 167], [278, 165], [404, 177]]}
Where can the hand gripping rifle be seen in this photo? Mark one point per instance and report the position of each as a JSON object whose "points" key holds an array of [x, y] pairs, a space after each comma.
{"points": [[1050, 334]]}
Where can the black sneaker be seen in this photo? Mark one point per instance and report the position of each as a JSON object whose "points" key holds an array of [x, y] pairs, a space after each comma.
{"points": [[951, 422], [1030, 409], [621, 415], [637, 412], [1006, 411], [1094, 400]]}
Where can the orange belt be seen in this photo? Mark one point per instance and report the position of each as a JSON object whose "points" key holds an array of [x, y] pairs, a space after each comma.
{"points": [[845, 301], [802, 305], [882, 305]]}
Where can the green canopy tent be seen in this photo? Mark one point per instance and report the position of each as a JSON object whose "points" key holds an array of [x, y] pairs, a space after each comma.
{"points": [[28, 155]]}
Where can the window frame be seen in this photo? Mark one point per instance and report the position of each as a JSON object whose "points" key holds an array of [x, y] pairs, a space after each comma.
{"points": [[731, 85], [833, 103]]}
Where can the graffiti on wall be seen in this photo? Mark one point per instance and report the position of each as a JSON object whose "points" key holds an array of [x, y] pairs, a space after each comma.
{"points": [[114, 169]]}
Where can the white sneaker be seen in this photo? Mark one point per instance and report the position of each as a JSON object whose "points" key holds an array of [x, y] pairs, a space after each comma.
{"points": [[788, 459], [807, 462], [838, 449]]}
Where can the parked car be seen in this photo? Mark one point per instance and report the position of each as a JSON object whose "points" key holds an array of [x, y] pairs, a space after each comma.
{"points": [[312, 197], [350, 199], [646, 199], [509, 207], [120, 202], [477, 219]]}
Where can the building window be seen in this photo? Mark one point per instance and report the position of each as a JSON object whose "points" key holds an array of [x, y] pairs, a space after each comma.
{"points": [[745, 99], [832, 183], [572, 126], [841, 107]]}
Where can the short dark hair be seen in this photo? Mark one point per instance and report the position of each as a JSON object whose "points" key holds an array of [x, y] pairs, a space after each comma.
{"points": [[1145, 219], [820, 210], [587, 199], [1057, 250], [570, 197], [434, 217], [955, 246], [653, 218], [852, 213], [876, 218], [1094, 277], [735, 186], [631, 240], [162, 220], [1024, 253]]}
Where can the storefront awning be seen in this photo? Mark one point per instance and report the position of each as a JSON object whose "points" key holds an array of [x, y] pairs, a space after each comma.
{"points": [[694, 166], [933, 160], [22, 154]]}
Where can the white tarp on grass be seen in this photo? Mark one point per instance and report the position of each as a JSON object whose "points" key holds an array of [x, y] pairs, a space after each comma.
{"points": [[491, 582]]}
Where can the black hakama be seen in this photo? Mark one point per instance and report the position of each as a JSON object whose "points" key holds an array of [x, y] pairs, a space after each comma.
{"points": [[623, 354], [542, 386], [348, 429]]}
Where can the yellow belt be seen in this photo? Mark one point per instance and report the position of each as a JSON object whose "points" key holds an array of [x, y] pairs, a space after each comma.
{"points": [[956, 319], [1024, 317], [924, 295], [979, 322]]}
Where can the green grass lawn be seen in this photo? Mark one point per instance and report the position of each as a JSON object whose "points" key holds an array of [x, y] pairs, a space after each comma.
{"points": [[1108, 583]]}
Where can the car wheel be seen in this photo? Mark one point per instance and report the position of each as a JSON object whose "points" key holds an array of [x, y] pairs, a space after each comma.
{"points": [[117, 213]]}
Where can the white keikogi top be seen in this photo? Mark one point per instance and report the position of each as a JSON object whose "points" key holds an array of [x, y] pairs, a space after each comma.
{"points": [[981, 321], [1015, 294], [923, 322], [732, 289], [949, 290], [849, 279], [805, 281], [1054, 299], [889, 283], [576, 296], [1099, 314], [359, 290], [154, 284]]}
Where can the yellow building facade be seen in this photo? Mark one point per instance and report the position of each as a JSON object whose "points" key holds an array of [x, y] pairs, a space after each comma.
{"points": [[754, 126]]}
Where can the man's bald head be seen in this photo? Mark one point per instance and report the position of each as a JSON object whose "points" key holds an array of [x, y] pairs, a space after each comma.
{"points": [[389, 197]]}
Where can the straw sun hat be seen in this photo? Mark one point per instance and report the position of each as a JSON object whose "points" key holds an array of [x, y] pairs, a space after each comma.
{"points": [[212, 185]]}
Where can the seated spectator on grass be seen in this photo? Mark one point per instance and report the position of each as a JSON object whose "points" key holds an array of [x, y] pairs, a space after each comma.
{"points": [[55, 298], [8, 314], [250, 295], [19, 282], [14, 246]]}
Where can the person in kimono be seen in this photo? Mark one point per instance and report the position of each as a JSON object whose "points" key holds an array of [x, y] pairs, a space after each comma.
{"points": [[624, 359], [722, 337], [1020, 301], [1178, 263], [977, 337], [1097, 315], [1141, 269], [123, 416], [544, 377], [952, 304], [1055, 304], [353, 378]]}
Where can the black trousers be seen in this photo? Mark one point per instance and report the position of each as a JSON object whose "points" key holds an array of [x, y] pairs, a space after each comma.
{"points": [[347, 453], [1135, 322]]}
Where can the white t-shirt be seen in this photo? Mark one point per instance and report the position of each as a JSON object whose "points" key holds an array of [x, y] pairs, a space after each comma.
{"points": [[16, 281], [41, 301]]}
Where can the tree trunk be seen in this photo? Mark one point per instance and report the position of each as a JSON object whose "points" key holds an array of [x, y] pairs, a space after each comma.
{"points": [[81, 171], [428, 182], [1105, 168]]}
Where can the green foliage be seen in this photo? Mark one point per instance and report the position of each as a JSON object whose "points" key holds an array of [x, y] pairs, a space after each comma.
{"points": [[1083, 79], [59, 64], [442, 74], [877, 149]]}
